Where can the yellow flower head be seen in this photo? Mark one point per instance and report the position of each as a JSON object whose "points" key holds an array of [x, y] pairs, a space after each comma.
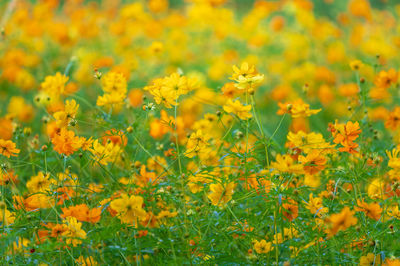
{"points": [[114, 82], [220, 194], [63, 118], [129, 209], [74, 232], [262, 247], [242, 111], [54, 86], [246, 77], [40, 183], [356, 65]]}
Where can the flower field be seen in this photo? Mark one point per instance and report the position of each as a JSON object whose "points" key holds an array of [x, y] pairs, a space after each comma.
{"points": [[216, 132]]}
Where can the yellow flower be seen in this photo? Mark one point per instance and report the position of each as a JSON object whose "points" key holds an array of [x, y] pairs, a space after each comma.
{"points": [[111, 101], [156, 47], [220, 194], [18, 108], [245, 71], [308, 142], [197, 181], [197, 144], [314, 205], [242, 111], [167, 90], [64, 117], [74, 232], [114, 83], [249, 82], [246, 77], [296, 109], [129, 209], [105, 154], [370, 259], [262, 247], [21, 244], [6, 217], [356, 65], [88, 261], [393, 211], [115, 87], [285, 164], [40, 183], [177, 84], [54, 86], [376, 188], [394, 163], [162, 94]]}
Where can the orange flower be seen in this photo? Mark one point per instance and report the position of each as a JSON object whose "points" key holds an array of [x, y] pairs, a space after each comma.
{"points": [[8, 177], [141, 233], [135, 97], [160, 127], [58, 230], [7, 148], [52, 129], [341, 221], [66, 142], [82, 213], [393, 120], [115, 136], [290, 209], [345, 135], [33, 202], [6, 128], [386, 78], [372, 210], [64, 193], [392, 262], [314, 162], [360, 8], [229, 90]]}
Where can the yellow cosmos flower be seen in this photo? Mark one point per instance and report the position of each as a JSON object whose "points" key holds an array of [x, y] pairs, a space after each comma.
{"points": [[242, 111], [54, 86], [40, 183], [63, 118], [114, 82], [262, 247], [74, 232], [220, 195], [129, 209]]}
